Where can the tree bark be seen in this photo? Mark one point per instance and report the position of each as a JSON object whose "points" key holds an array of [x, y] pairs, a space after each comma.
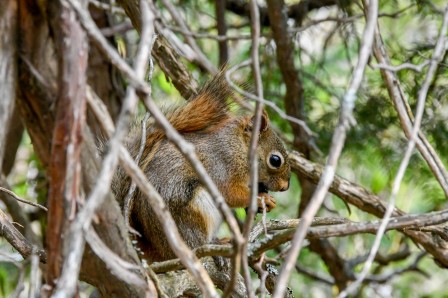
{"points": [[37, 102], [8, 71]]}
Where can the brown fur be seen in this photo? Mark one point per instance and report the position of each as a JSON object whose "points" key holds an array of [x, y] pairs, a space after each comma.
{"points": [[221, 140]]}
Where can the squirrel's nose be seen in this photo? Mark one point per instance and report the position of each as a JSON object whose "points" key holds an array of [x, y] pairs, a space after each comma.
{"points": [[284, 185]]}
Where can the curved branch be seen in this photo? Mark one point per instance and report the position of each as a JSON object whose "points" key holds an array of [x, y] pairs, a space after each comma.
{"points": [[295, 11], [368, 202], [167, 59], [16, 239]]}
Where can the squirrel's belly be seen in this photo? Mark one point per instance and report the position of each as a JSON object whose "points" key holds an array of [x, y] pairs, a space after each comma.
{"points": [[204, 202]]}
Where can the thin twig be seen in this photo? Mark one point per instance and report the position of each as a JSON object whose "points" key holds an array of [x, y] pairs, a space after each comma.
{"points": [[130, 195], [386, 277], [209, 36], [348, 19], [199, 56], [119, 267], [437, 57], [335, 150], [153, 276], [403, 109], [366, 201], [35, 276], [266, 102], [99, 109], [275, 224], [417, 68], [263, 274], [108, 7], [20, 285], [316, 276], [12, 194], [119, 28], [17, 240], [253, 160]]}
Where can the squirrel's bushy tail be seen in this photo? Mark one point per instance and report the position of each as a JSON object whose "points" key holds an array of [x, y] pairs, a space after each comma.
{"points": [[206, 111]]}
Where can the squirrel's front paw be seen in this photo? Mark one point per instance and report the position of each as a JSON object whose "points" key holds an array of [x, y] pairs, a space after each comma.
{"points": [[269, 202]]}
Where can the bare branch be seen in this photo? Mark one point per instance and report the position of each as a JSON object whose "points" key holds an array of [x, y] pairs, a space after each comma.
{"points": [[108, 7], [266, 102], [127, 206], [437, 57], [200, 57], [119, 28], [253, 160], [17, 212], [319, 277], [263, 274], [165, 56], [203, 251], [219, 38], [335, 149], [186, 285], [366, 201], [12, 194], [382, 278], [407, 222], [117, 265], [274, 224], [16, 239], [35, 275], [417, 68], [406, 118], [222, 31]]}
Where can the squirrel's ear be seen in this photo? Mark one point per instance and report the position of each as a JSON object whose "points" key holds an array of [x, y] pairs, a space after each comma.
{"points": [[264, 122]]}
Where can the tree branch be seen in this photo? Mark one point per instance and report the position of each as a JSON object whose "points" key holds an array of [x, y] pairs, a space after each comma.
{"points": [[296, 11], [16, 239], [163, 53], [8, 70], [337, 144], [366, 201], [405, 115]]}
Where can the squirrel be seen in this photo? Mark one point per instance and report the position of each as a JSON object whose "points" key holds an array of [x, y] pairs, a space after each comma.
{"points": [[221, 141]]}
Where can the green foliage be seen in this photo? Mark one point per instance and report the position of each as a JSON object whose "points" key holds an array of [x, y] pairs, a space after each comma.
{"points": [[8, 278]]}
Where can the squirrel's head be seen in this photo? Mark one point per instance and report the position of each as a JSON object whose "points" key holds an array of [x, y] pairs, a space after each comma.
{"points": [[274, 170]]}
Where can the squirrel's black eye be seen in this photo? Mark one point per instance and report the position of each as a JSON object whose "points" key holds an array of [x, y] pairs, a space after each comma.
{"points": [[275, 161]]}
